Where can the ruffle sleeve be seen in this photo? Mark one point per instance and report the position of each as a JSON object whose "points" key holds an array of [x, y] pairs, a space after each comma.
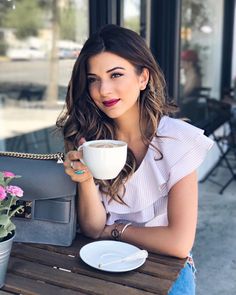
{"points": [[183, 147]]}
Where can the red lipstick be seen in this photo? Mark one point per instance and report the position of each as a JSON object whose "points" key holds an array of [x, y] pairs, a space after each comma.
{"points": [[111, 102]]}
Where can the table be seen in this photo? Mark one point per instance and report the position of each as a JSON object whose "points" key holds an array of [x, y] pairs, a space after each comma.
{"points": [[44, 269]]}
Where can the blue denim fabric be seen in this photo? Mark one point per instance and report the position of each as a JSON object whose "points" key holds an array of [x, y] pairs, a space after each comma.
{"points": [[185, 283]]}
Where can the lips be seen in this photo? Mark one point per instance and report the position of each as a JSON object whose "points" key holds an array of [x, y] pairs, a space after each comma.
{"points": [[110, 102]]}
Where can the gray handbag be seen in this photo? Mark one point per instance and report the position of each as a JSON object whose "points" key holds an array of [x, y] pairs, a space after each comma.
{"points": [[49, 212]]}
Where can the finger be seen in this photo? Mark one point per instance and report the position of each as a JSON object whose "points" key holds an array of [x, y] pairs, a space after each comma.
{"points": [[69, 171], [82, 140], [73, 155], [75, 169], [70, 157], [72, 172], [81, 175], [77, 165]]}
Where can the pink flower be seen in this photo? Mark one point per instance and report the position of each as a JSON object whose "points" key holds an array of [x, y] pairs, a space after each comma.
{"points": [[14, 191], [8, 174], [2, 193]]}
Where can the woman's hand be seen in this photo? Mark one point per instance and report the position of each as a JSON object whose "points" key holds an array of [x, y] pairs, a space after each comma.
{"points": [[75, 168]]}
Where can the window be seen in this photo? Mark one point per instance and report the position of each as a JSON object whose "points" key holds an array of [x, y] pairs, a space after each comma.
{"points": [[201, 49], [132, 15], [39, 43]]}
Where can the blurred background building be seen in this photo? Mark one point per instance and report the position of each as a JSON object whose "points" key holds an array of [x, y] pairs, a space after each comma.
{"points": [[193, 41]]}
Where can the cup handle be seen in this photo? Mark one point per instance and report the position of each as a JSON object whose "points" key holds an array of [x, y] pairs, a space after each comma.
{"points": [[79, 149]]}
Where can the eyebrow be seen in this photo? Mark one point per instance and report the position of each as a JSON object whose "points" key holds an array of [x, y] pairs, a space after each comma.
{"points": [[108, 71]]}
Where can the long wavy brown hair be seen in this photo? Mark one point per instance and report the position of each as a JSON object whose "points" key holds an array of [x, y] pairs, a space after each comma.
{"points": [[82, 118]]}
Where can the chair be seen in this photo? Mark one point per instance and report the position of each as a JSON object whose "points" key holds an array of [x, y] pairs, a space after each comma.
{"points": [[219, 113], [32, 93], [203, 92]]}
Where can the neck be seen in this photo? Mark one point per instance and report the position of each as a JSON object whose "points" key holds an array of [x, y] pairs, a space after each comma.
{"points": [[128, 126]]}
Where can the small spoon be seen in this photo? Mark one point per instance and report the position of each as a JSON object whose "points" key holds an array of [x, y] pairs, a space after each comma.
{"points": [[140, 254]]}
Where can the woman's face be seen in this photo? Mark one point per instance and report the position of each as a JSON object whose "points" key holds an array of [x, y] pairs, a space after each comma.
{"points": [[114, 84]]}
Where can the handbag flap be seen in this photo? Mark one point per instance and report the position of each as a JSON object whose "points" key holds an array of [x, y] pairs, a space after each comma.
{"points": [[41, 179]]}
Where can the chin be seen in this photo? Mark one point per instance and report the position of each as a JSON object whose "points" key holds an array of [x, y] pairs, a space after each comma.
{"points": [[113, 115]]}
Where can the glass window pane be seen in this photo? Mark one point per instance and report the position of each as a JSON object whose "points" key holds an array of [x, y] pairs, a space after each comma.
{"points": [[39, 43], [132, 15], [201, 49]]}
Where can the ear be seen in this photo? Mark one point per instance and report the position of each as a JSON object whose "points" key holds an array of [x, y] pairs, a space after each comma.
{"points": [[144, 78]]}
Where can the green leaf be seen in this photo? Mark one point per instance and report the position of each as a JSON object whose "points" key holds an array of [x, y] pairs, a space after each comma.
{"points": [[2, 182], [4, 219], [10, 227], [7, 202], [8, 180], [3, 208]]}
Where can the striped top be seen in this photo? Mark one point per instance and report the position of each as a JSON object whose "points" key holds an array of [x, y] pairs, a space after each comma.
{"points": [[183, 147]]}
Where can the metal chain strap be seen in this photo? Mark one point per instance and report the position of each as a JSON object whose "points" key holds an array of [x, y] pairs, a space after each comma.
{"points": [[56, 156]]}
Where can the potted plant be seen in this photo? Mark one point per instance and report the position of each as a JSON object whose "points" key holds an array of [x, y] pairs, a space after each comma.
{"points": [[9, 194]]}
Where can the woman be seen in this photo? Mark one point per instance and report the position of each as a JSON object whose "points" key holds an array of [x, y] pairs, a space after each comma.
{"points": [[117, 91]]}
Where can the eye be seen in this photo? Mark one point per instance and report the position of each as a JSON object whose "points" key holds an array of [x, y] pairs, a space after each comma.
{"points": [[91, 80], [116, 75]]}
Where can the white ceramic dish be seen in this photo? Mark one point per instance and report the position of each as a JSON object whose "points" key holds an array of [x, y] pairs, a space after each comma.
{"points": [[101, 252]]}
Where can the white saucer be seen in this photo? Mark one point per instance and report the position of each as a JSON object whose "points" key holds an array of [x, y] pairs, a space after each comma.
{"points": [[100, 252]]}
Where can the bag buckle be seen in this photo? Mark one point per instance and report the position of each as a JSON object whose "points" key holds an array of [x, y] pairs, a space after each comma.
{"points": [[26, 210]]}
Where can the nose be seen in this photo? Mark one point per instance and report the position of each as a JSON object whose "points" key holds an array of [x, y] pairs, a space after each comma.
{"points": [[105, 88]]}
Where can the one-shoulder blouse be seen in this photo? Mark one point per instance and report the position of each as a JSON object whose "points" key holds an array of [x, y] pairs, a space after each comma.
{"points": [[183, 148]]}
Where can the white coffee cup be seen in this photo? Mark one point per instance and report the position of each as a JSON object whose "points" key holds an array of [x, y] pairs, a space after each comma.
{"points": [[104, 158]]}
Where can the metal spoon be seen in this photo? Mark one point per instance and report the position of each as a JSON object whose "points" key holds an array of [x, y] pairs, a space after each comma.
{"points": [[140, 254]]}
